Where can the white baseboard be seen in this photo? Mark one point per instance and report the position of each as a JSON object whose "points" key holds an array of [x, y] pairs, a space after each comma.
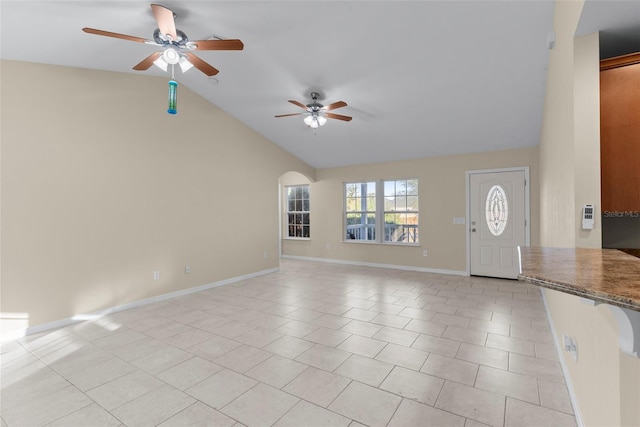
{"points": [[378, 265], [19, 333], [565, 370]]}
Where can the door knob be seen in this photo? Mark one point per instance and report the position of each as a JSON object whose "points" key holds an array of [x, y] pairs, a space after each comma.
{"points": [[473, 230]]}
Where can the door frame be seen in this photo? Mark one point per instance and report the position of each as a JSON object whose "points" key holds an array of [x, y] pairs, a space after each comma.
{"points": [[527, 208]]}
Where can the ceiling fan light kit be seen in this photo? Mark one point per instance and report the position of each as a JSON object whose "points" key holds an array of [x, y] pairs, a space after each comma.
{"points": [[316, 114], [176, 49], [314, 120]]}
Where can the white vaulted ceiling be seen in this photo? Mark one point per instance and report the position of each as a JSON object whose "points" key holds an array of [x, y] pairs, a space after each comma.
{"points": [[421, 78]]}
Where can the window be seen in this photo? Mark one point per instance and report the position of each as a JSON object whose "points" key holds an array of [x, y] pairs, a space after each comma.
{"points": [[398, 206], [401, 211], [360, 207], [298, 211]]}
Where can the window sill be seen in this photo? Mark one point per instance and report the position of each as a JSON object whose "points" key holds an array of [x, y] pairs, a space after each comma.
{"points": [[371, 242], [297, 238]]}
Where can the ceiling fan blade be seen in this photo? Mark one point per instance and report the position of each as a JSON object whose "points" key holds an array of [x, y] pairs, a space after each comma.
{"points": [[230, 44], [147, 62], [335, 105], [116, 35], [164, 18], [201, 65], [299, 104], [287, 115], [338, 116]]}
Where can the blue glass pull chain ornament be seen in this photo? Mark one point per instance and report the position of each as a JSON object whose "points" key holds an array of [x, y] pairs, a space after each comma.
{"points": [[173, 95]]}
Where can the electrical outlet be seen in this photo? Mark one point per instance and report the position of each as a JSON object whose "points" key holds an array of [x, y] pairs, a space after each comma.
{"points": [[424, 253], [156, 275], [187, 270], [570, 346], [265, 255]]}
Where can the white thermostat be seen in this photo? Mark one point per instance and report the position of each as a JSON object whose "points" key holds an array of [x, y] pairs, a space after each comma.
{"points": [[587, 217]]}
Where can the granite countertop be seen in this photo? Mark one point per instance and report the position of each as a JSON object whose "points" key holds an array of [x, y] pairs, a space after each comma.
{"points": [[604, 275]]}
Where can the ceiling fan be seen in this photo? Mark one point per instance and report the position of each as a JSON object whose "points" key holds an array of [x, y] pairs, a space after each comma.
{"points": [[175, 43], [316, 113]]}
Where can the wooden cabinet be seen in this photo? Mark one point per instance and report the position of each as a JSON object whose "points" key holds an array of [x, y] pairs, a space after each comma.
{"points": [[620, 133]]}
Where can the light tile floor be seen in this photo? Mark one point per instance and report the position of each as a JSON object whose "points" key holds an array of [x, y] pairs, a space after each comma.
{"points": [[313, 345]]}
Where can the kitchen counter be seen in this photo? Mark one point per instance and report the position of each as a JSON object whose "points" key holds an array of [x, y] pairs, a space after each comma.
{"points": [[603, 275]]}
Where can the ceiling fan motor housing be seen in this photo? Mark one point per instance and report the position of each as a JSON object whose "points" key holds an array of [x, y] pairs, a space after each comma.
{"points": [[165, 39]]}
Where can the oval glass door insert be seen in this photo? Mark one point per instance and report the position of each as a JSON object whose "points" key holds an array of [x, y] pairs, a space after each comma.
{"points": [[497, 210]]}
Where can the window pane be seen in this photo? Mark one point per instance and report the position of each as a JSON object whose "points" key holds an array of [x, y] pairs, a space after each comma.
{"points": [[412, 187], [412, 203], [353, 226], [389, 203], [305, 205], [389, 188], [353, 218], [390, 218], [370, 189], [354, 204], [401, 203], [401, 187]]}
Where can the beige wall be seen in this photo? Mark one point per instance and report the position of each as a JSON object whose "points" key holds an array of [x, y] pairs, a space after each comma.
{"points": [[595, 375], [442, 191], [586, 110], [605, 382], [570, 142], [557, 155], [101, 187]]}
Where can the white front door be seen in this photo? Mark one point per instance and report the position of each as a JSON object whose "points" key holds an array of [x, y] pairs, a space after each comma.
{"points": [[497, 222]]}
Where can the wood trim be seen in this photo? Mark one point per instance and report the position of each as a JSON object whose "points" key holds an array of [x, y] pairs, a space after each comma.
{"points": [[620, 137], [620, 61]]}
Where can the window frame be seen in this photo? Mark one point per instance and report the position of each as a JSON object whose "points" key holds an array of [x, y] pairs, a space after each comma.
{"points": [[406, 211], [288, 225], [363, 212], [379, 213]]}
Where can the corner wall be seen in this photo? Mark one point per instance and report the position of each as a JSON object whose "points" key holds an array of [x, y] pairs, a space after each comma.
{"points": [[101, 187]]}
